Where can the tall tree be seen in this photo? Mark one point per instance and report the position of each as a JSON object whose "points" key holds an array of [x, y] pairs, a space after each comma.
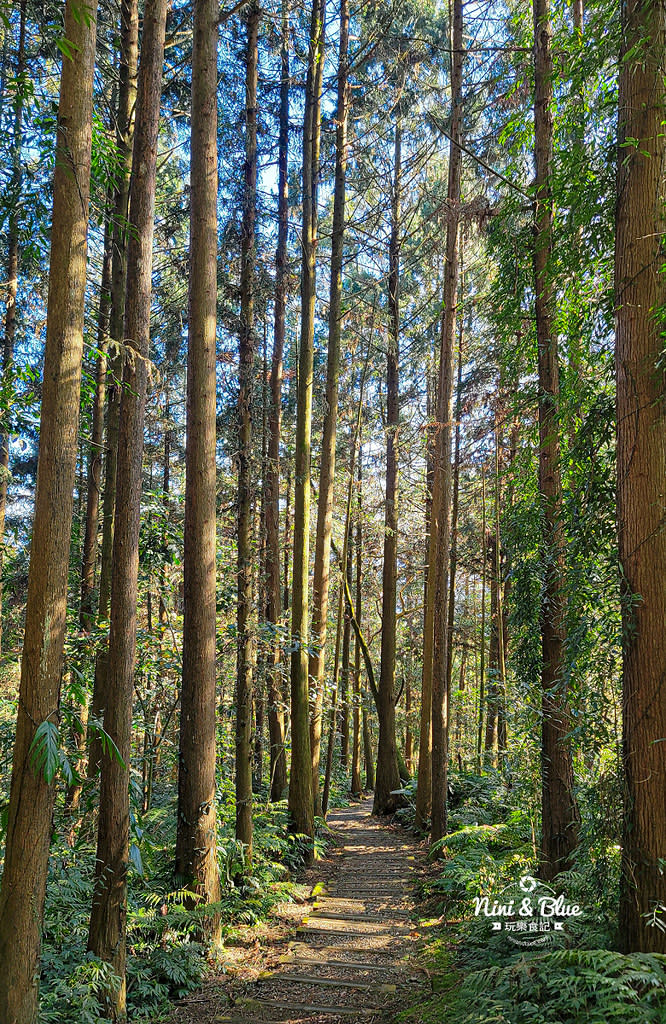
{"points": [[94, 475], [423, 803], [320, 584], [12, 265], [196, 853], [32, 795], [300, 782], [387, 779], [559, 811], [128, 61], [640, 299], [356, 784], [107, 934], [278, 759], [440, 520], [246, 378]]}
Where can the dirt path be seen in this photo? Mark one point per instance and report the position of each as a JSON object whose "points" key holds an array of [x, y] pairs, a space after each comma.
{"points": [[350, 958]]}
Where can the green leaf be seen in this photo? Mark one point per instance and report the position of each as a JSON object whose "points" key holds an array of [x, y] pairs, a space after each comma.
{"points": [[45, 751]]}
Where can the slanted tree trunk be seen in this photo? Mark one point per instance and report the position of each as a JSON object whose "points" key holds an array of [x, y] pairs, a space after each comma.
{"points": [[196, 855], [559, 811], [300, 782], [320, 584], [278, 759], [12, 269], [128, 60], [640, 297], [107, 934], [387, 777], [440, 525], [31, 795], [246, 375]]}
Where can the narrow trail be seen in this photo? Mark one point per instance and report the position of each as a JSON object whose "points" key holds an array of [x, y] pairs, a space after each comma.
{"points": [[350, 959]]}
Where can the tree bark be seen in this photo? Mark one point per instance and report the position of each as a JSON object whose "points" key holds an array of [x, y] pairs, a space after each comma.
{"points": [[482, 637], [453, 564], [246, 375], [344, 673], [31, 796], [300, 783], [320, 585], [89, 560], [560, 817], [196, 855], [356, 784], [440, 525], [107, 934], [423, 806], [128, 59], [278, 758], [578, 15], [12, 271], [387, 776], [640, 297]]}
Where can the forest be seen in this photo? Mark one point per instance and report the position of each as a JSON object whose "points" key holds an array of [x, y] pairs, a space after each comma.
{"points": [[332, 507]]}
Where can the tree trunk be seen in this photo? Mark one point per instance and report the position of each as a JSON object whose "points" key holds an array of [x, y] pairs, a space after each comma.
{"points": [[388, 778], [107, 935], [492, 700], [440, 526], [356, 784], [560, 817], [453, 566], [640, 297], [501, 625], [300, 784], [196, 855], [278, 758], [344, 674], [424, 775], [286, 594], [89, 560], [368, 758], [482, 660], [578, 15], [12, 271], [327, 466], [409, 739], [31, 796], [246, 375], [330, 750], [128, 59]]}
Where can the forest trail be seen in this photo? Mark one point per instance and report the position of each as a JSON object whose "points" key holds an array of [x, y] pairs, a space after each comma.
{"points": [[351, 957]]}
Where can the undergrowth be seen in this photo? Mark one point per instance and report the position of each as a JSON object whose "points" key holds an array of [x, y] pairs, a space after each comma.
{"points": [[164, 961], [576, 976]]}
